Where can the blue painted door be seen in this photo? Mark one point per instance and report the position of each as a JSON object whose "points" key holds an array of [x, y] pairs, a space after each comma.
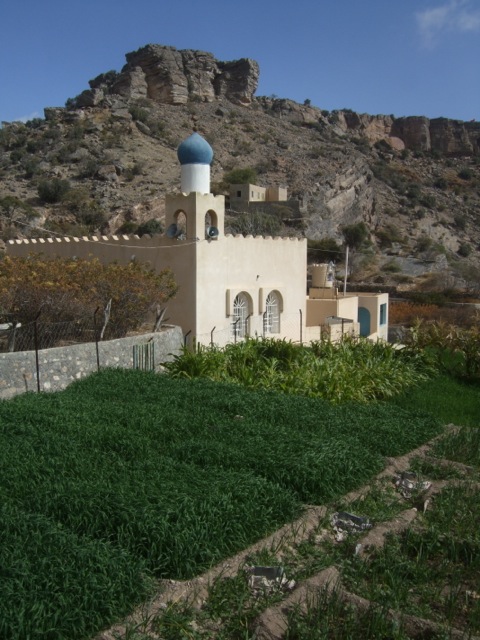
{"points": [[364, 320]]}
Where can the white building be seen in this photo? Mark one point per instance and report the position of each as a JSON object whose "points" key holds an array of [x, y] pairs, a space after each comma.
{"points": [[229, 286]]}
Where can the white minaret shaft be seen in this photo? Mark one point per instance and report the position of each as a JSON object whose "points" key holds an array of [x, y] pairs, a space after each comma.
{"points": [[195, 155], [195, 177]]}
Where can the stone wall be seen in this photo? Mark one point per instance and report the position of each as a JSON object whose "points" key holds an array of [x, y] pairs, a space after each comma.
{"points": [[62, 365]]}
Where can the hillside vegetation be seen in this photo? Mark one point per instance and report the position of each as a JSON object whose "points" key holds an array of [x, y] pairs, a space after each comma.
{"points": [[105, 165]]}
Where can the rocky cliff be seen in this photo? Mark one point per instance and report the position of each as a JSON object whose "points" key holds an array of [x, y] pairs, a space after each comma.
{"points": [[418, 133], [169, 76], [105, 162]]}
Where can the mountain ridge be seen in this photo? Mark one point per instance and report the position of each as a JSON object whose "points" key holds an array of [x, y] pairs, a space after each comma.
{"points": [[414, 182]]}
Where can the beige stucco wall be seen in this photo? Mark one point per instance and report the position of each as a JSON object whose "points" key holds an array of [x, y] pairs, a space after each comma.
{"points": [[372, 302], [256, 266], [277, 194], [208, 272], [248, 193], [343, 307]]}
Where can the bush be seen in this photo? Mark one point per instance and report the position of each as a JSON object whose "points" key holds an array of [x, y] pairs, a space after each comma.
{"points": [[254, 223], [465, 174], [324, 250], [355, 235], [52, 191], [388, 235], [464, 250], [64, 289], [138, 114], [440, 183], [241, 176], [460, 221], [150, 227], [423, 244]]}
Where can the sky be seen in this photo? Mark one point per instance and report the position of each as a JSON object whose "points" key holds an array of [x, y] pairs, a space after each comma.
{"points": [[400, 57]]}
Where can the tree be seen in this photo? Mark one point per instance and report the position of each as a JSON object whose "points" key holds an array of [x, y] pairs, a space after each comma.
{"points": [[14, 209], [324, 250], [241, 176], [67, 289], [355, 235]]}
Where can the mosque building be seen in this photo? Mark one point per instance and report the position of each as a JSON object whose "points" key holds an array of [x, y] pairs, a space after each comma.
{"points": [[229, 286]]}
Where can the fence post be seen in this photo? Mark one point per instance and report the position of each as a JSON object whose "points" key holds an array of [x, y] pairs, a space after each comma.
{"points": [[96, 336], [35, 336], [235, 330], [211, 336], [11, 337], [246, 324], [301, 327]]}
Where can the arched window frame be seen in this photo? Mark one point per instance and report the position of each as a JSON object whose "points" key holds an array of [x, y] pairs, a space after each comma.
{"points": [[271, 317], [240, 316]]}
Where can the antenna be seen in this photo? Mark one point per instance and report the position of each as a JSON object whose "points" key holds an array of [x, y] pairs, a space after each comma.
{"points": [[211, 233]]}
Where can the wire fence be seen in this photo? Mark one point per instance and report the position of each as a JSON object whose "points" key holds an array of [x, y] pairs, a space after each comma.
{"points": [[289, 327], [27, 350], [38, 334]]}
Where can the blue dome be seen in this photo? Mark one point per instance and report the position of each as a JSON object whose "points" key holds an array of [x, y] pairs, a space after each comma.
{"points": [[195, 150]]}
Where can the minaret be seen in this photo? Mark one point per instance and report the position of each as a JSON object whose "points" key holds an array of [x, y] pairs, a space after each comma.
{"points": [[195, 156]]}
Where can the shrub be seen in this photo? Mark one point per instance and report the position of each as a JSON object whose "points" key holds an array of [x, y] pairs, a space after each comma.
{"points": [[54, 190], [255, 223], [392, 266], [427, 200], [440, 183], [150, 227], [65, 289], [241, 176], [464, 250], [388, 235], [423, 243], [465, 173], [127, 227], [324, 250], [138, 114], [355, 235]]}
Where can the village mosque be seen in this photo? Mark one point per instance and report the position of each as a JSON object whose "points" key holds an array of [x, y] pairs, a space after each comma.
{"points": [[230, 286]]}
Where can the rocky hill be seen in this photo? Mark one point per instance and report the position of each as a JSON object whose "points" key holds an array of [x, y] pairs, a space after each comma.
{"points": [[406, 191]]}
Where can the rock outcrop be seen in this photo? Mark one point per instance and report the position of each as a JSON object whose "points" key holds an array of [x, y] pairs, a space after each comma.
{"points": [[448, 137], [169, 76]]}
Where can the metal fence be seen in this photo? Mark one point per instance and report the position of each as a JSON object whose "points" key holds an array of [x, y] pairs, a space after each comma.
{"points": [[291, 327]]}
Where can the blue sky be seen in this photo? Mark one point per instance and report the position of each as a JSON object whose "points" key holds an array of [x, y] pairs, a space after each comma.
{"points": [[401, 57]]}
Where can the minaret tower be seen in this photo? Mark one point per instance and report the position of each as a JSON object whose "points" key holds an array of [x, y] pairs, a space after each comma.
{"points": [[195, 213], [195, 156]]}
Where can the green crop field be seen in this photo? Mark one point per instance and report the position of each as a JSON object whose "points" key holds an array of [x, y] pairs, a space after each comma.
{"points": [[127, 477]]}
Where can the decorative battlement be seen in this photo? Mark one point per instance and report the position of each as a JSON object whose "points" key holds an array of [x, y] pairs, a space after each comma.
{"points": [[35, 241]]}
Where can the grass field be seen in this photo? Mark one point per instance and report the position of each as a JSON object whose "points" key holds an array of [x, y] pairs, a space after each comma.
{"points": [[127, 477]]}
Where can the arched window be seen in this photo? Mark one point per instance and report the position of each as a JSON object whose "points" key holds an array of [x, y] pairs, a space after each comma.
{"points": [[181, 222], [271, 317], [211, 225], [241, 312]]}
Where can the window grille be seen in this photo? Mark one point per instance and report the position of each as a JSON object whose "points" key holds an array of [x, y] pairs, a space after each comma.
{"points": [[272, 314], [240, 315]]}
